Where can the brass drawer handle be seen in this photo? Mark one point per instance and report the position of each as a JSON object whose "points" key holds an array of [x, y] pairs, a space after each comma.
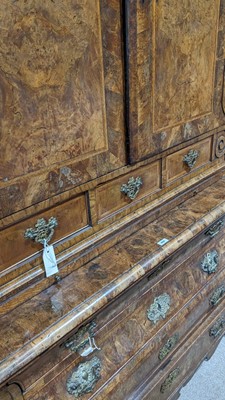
{"points": [[217, 328], [84, 378], [215, 229], [190, 158], [210, 262], [83, 340], [217, 296], [159, 308], [168, 346], [132, 188], [43, 230], [169, 380]]}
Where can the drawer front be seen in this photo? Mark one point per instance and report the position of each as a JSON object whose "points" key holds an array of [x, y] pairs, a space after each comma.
{"points": [[124, 191], [71, 216], [195, 350], [159, 350], [131, 329], [187, 160]]}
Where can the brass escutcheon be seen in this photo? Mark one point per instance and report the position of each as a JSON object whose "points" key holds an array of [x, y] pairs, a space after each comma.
{"points": [[168, 346], [210, 262], [131, 189], [217, 328], [84, 378], [169, 380], [159, 308], [83, 340], [217, 296], [191, 157], [42, 231], [215, 229]]}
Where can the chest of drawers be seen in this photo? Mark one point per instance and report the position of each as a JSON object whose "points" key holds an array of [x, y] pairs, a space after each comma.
{"points": [[133, 323]]}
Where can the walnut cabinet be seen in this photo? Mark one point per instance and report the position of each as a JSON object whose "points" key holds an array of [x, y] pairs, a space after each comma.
{"points": [[112, 146]]}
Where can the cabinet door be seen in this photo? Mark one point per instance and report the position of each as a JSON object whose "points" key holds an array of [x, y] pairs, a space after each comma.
{"points": [[61, 97], [175, 59]]}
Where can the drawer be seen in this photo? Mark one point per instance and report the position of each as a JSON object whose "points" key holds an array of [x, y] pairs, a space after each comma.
{"points": [[110, 198], [71, 216], [187, 160], [201, 344], [160, 349], [121, 332]]}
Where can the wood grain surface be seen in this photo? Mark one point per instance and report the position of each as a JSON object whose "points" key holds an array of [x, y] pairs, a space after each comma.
{"points": [[173, 52], [61, 97], [130, 330], [79, 296]]}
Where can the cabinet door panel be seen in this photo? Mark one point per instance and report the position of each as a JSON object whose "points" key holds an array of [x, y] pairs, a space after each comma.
{"points": [[172, 54], [61, 97]]}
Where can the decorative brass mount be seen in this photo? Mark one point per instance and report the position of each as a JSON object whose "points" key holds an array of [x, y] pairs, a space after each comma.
{"points": [[132, 188], [83, 340], [168, 346], [210, 262], [217, 328], [215, 229], [191, 157], [84, 378], [169, 380], [159, 308], [217, 295], [42, 231]]}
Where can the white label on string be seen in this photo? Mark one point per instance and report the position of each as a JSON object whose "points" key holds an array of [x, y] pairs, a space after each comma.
{"points": [[49, 260]]}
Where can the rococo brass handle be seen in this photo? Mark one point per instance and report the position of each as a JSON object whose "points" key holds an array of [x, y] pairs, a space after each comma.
{"points": [[215, 229], [169, 380], [84, 378], [168, 346], [42, 231], [217, 328], [217, 295], [159, 308], [132, 188], [191, 157], [210, 262], [83, 340]]}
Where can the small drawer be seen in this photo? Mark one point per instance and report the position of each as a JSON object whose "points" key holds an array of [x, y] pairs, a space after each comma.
{"points": [[126, 190], [187, 160], [71, 217]]}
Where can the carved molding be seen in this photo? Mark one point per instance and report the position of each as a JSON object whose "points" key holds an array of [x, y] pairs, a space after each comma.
{"points": [[11, 392], [220, 146]]}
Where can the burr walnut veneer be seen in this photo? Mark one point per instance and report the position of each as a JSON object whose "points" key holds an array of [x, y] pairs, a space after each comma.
{"points": [[112, 150]]}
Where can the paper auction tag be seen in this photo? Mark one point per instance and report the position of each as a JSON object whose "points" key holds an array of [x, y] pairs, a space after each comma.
{"points": [[49, 260]]}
